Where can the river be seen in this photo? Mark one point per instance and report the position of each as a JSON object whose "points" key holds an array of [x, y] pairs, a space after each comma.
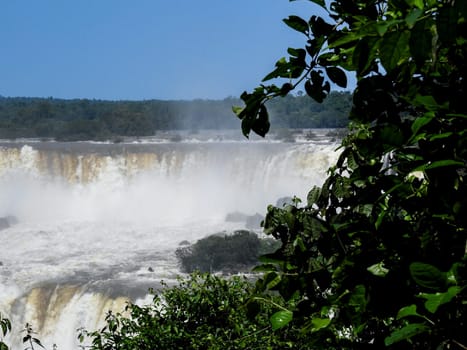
{"points": [[92, 225]]}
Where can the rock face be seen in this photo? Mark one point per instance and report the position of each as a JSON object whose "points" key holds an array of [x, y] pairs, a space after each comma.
{"points": [[7, 221], [237, 252], [251, 221]]}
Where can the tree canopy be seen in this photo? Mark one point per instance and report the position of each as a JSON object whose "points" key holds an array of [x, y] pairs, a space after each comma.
{"points": [[376, 256], [83, 119]]}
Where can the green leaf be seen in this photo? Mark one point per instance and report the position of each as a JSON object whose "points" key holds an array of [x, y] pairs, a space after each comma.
{"points": [[427, 101], [358, 300], [443, 163], [315, 88], [320, 27], [297, 23], [417, 3], [394, 49], [237, 110], [272, 279], [422, 121], [439, 164], [261, 124], [435, 300], [441, 136], [281, 319], [406, 311], [246, 127], [364, 55], [427, 276], [337, 76], [282, 69], [413, 16], [405, 333], [319, 323], [452, 275], [378, 269], [313, 195]]}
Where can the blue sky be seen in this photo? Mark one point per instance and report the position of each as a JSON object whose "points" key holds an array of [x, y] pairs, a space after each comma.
{"points": [[142, 49]]}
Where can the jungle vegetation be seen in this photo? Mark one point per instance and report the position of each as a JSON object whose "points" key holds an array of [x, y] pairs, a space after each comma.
{"points": [[83, 119]]}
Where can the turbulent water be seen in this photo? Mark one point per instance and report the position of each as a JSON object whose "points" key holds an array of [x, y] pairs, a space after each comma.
{"points": [[88, 226]]}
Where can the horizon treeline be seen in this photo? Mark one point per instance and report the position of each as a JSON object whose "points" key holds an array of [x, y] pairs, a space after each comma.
{"points": [[85, 119]]}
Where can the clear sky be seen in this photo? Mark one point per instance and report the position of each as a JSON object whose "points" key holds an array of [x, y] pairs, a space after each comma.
{"points": [[142, 49]]}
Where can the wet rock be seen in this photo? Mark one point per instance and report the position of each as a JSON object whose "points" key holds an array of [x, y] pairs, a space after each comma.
{"points": [[7, 221], [250, 221], [254, 221], [236, 216]]}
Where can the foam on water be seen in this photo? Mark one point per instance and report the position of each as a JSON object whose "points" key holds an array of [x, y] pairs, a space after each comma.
{"points": [[99, 223]]}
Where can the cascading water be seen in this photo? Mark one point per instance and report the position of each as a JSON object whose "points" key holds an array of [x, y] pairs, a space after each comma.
{"points": [[94, 225]]}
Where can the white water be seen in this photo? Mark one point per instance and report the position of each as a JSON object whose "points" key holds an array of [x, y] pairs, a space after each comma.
{"points": [[93, 218]]}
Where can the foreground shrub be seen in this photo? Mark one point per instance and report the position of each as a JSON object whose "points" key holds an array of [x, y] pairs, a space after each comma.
{"points": [[201, 312], [378, 252]]}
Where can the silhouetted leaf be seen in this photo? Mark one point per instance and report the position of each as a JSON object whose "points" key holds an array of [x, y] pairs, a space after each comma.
{"points": [[297, 23], [337, 76], [261, 124], [427, 275], [320, 27]]}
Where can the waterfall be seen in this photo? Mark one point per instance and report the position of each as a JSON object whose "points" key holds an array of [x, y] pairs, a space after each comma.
{"points": [[95, 225]]}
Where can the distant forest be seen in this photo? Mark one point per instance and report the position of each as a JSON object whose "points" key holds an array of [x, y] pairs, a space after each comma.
{"points": [[84, 119]]}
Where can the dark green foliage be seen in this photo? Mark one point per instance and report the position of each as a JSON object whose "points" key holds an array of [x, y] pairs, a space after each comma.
{"points": [[377, 256], [71, 120], [221, 252], [201, 312], [5, 328]]}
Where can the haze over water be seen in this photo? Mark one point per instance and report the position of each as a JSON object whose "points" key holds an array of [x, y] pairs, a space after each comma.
{"points": [[96, 224]]}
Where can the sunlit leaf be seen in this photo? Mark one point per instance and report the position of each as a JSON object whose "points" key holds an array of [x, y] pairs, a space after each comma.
{"points": [[281, 319], [378, 269], [319, 323], [237, 110], [435, 300]]}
